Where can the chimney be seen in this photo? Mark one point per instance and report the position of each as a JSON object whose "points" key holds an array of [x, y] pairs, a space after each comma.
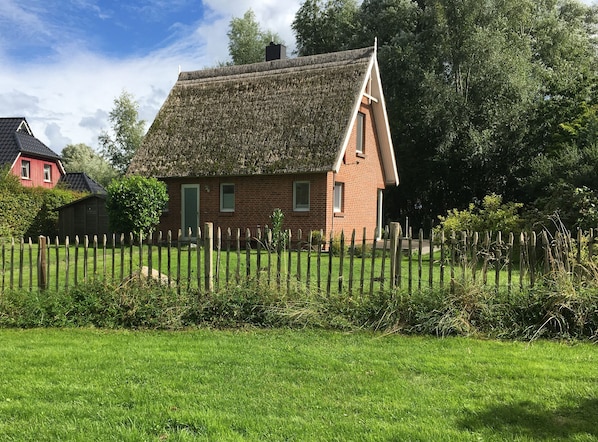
{"points": [[275, 52]]}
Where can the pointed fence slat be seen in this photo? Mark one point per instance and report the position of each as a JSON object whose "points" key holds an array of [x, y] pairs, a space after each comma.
{"points": [[298, 262]]}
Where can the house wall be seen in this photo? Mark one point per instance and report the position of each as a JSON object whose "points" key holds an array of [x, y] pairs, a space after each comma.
{"points": [[36, 172], [362, 177], [255, 200]]}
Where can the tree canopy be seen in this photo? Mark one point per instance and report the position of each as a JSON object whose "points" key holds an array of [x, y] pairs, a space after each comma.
{"points": [[119, 146], [82, 158], [476, 91], [247, 41]]}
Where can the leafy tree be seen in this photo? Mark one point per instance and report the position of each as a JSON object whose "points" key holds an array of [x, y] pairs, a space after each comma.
{"points": [[134, 204], [322, 27], [474, 90], [127, 133], [82, 158], [246, 41]]}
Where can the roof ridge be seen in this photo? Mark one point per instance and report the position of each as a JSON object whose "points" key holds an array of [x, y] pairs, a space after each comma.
{"points": [[319, 61]]}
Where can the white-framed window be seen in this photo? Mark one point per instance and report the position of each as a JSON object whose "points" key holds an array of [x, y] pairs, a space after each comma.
{"points": [[301, 196], [48, 173], [338, 197], [360, 133], [25, 169], [227, 197]]}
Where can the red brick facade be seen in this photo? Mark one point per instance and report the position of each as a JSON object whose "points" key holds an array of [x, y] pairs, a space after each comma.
{"points": [[256, 197]]}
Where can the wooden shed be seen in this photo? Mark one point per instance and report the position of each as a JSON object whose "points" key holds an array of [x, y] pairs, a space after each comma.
{"points": [[86, 216]]}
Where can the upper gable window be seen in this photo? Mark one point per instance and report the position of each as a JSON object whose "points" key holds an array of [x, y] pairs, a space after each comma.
{"points": [[301, 196], [25, 169], [360, 133], [227, 197], [48, 173]]}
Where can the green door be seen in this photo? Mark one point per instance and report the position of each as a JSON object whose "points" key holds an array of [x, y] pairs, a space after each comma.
{"points": [[190, 209]]}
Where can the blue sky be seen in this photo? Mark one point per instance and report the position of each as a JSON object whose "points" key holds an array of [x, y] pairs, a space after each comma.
{"points": [[63, 62]]}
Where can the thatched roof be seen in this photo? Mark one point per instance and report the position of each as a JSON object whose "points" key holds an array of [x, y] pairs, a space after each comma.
{"points": [[282, 116]]}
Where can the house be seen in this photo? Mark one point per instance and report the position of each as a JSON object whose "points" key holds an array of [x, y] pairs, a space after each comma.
{"points": [[308, 135], [28, 158]]}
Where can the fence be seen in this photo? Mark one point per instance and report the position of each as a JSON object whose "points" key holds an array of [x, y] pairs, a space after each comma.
{"points": [[337, 264]]}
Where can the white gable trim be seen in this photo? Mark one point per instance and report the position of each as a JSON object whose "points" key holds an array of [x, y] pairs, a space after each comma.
{"points": [[375, 94]]}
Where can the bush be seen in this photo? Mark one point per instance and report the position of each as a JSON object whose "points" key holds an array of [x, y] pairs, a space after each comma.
{"points": [[135, 203], [491, 216], [26, 211]]}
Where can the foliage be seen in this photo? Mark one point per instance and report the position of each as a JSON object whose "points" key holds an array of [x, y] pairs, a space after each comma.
{"points": [[279, 235], [127, 133], [564, 179], [135, 203], [45, 221], [491, 216], [29, 211], [474, 90], [246, 41], [82, 158], [325, 26]]}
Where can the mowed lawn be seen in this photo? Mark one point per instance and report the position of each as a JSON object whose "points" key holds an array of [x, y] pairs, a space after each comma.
{"points": [[277, 385]]}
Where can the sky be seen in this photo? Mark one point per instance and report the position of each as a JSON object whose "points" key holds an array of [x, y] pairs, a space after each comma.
{"points": [[64, 62]]}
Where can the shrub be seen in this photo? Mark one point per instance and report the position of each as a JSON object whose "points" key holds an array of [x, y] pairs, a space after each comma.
{"points": [[492, 216], [26, 211], [135, 203]]}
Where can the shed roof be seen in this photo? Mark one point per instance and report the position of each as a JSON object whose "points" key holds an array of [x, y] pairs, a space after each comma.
{"points": [[81, 182], [281, 116]]}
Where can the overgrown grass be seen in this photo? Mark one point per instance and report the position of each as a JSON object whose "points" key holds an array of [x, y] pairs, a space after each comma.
{"points": [[275, 385], [464, 310]]}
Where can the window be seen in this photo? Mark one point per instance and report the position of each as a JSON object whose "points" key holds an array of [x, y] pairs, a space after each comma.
{"points": [[338, 197], [360, 135], [25, 169], [48, 173], [227, 197], [301, 196]]}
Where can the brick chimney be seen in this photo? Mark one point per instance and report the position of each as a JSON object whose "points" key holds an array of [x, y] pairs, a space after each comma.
{"points": [[275, 51]]}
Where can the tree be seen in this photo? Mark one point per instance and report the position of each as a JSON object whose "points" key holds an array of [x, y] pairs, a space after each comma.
{"points": [[135, 203], [474, 90], [82, 158], [246, 41], [127, 133], [322, 27]]}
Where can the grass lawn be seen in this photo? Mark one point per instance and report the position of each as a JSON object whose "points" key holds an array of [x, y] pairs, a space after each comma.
{"points": [[82, 384]]}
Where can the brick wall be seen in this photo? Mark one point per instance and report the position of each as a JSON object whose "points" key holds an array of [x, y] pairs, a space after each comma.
{"points": [[362, 177], [255, 200]]}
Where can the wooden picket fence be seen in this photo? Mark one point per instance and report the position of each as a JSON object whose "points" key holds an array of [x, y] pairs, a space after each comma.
{"points": [[294, 261]]}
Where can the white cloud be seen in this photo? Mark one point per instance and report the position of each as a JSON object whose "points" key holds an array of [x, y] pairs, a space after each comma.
{"points": [[67, 95]]}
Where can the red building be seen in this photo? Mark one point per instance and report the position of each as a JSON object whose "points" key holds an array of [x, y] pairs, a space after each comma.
{"points": [[28, 158]]}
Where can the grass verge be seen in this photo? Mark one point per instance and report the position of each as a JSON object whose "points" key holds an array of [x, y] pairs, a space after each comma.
{"points": [[255, 385]]}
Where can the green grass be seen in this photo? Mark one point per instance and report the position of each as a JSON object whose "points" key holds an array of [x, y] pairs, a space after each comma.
{"points": [[230, 268], [277, 385]]}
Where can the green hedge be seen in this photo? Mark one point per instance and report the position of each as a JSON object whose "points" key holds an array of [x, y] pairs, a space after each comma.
{"points": [[30, 211]]}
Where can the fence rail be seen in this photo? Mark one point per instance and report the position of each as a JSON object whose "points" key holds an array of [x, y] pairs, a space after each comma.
{"points": [[294, 261]]}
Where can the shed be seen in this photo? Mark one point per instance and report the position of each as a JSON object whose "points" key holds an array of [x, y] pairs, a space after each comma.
{"points": [[86, 216]]}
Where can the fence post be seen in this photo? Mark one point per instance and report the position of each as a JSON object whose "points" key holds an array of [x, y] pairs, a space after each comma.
{"points": [[209, 258], [42, 276], [395, 232]]}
